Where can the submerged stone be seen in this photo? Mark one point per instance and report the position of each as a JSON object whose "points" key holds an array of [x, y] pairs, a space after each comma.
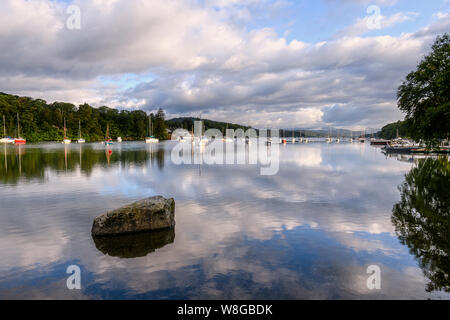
{"points": [[153, 213]]}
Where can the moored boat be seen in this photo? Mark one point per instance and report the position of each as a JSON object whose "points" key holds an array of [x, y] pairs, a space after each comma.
{"points": [[19, 140], [108, 140], [150, 138], [80, 139], [398, 149], [5, 139], [66, 140], [379, 142], [441, 150]]}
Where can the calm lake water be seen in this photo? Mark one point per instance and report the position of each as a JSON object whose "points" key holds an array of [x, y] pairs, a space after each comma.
{"points": [[308, 232]]}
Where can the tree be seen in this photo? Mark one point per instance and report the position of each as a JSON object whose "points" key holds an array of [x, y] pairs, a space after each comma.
{"points": [[425, 95], [422, 219], [159, 126], [390, 130]]}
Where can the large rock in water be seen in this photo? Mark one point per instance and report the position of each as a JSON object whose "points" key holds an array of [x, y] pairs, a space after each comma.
{"points": [[153, 213]]}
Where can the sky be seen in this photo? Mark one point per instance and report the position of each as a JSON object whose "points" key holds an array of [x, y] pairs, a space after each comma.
{"points": [[266, 63]]}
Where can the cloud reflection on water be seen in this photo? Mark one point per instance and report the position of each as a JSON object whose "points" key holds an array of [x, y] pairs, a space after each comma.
{"points": [[307, 232]]}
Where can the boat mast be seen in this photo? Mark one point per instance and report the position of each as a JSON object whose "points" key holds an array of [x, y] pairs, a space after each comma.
{"points": [[79, 128], [107, 132], [4, 126], [65, 130], [18, 126]]}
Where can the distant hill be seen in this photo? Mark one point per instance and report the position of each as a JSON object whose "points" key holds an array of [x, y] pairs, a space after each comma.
{"points": [[188, 123], [322, 133]]}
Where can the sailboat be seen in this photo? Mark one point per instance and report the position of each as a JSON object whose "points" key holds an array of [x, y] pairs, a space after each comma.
{"points": [[66, 140], [108, 140], [80, 140], [362, 139], [306, 140], [19, 140], [5, 138], [150, 138], [329, 139]]}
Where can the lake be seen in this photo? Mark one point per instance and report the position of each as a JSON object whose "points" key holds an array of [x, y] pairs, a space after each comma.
{"points": [[308, 232]]}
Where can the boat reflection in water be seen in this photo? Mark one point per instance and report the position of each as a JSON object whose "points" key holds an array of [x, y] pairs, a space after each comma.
{"points": [[134, 245], [422, 219]]}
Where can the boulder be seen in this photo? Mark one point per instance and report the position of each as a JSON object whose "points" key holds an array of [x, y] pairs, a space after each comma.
{"points": [[153, 213]]}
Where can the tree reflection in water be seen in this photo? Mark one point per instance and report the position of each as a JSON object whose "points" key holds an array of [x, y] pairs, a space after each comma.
{"points": [[32, 163], [422, 219]]}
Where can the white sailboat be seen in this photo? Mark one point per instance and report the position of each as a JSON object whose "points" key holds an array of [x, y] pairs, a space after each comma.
{"points": [[80, 140], [329, 139], [150, 138], [5, 138], [66, 140], [362, 139]]}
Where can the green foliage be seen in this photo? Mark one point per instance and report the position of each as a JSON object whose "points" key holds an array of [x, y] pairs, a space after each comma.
{"points": [[390, 131], [159, 125], [425, 95], [40, 121], [422, 219]]}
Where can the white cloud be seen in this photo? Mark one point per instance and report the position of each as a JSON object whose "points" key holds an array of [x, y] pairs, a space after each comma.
{"points": [[204, 61]]}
